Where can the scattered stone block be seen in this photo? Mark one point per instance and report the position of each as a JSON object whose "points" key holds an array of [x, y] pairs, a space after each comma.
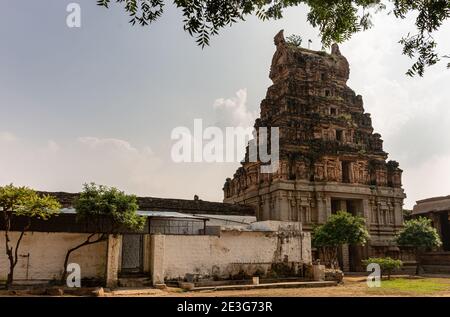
{"points": [[334, 275], [318, 272], [54, 292], [98, 292], [186, 285], [38, 291], [160, 286]]}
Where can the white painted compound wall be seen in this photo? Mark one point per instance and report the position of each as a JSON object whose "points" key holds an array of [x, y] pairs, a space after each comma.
{"points": [[230, 252], [46, 256]]}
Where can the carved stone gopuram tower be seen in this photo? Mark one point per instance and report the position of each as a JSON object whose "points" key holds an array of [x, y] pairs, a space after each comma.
{"points": [[330, 158]]}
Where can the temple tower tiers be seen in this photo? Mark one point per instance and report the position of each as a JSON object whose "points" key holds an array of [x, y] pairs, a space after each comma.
{"points": [[330, 158]]}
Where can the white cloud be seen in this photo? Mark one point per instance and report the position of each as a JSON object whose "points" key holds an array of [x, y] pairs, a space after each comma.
{"points": [[7, 137], [410, 113], [429, 179], [67, 166], [233, 112], [114, 162]]}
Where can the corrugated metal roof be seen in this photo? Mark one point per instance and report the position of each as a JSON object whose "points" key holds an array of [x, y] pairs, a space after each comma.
{"points": [[68, 211], [168, 214], [148, 213]]}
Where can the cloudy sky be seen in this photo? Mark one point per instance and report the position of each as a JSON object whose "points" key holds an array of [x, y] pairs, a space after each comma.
{"points": [[98, 103]]}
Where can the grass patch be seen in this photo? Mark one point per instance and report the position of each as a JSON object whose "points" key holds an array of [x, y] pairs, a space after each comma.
{"points": [[415, 286]]}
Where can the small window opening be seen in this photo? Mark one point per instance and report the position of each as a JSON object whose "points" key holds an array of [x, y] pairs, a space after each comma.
{"points": [[339, 135]]}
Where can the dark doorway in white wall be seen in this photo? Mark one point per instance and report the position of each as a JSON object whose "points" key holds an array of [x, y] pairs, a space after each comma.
{"points": [[132, 254]]}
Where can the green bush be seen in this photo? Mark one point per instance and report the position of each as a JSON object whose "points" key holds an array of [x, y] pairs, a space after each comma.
{"points": [[340, 228], [387, 265], [419, 234]]}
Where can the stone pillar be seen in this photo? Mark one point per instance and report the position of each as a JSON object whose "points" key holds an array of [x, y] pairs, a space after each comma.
{"points": [[321, 209], [283, 207], [266, 208], [157, 258], [318, 272], [398, 212], [342, 205], [306, 248], [114, 245], [259, 209], [367, 212], [328, 207]]}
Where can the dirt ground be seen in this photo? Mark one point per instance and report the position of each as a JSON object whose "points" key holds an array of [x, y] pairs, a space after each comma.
{"points": [[353, 286]]}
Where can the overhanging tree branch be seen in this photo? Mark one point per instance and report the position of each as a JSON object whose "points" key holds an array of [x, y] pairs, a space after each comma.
{"points": [[337, 20]]}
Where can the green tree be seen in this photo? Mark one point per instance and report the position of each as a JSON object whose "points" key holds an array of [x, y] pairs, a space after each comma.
{"points": [[294, 40], [337, 20], [387, 265], [420, 235], [341, 228], [407, 214], [24, 202], [107, 211]]}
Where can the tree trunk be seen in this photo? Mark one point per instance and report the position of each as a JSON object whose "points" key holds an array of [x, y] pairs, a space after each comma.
{"points": [[10, 277], [69, 252], [332, 257], [13, 257], [335, 258], [8, 249], [417, 262]]}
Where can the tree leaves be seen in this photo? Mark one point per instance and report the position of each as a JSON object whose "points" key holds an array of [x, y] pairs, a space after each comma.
{"points": [[143, 12], [337, 20], [419, 233], [294, 40], [341, 228], [387, 264], [23, 201], [430, 17], [98, 202]]}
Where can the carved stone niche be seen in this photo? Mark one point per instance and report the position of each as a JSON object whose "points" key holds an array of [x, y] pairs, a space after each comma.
{"points": [[283, 171], [396, 179], [333, 172], [227, 188], [394, 174], [360, 172], [301, 171], [319, 172], [367, 120], [376, 142], [381, 176]]}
